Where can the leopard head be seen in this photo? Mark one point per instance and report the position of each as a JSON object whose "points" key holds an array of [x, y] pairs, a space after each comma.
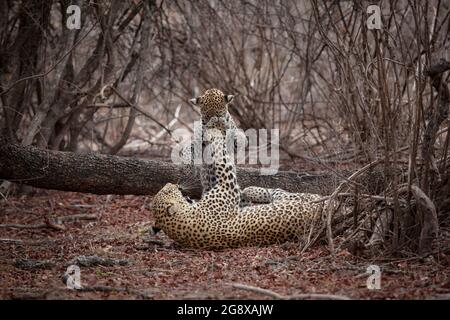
{"points": [[212, 102], [168, 203]]}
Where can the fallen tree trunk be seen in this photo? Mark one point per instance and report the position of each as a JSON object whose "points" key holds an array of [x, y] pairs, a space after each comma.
{"points": [[106, 174]]}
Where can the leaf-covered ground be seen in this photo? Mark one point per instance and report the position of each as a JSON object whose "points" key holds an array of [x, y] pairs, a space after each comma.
{"points": [[162, 270]]}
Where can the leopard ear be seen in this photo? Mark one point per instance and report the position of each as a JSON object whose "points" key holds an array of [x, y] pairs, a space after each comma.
{"points": [[172, 210], [195, 101], [229, 98]]}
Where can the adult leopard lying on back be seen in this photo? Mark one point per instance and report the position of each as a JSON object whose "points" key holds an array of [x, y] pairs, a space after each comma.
{"points": [[217, 221]]}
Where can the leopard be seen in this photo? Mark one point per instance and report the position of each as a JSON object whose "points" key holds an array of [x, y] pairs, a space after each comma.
{"points": [[213, 103], [267, 195], [217, 221]]}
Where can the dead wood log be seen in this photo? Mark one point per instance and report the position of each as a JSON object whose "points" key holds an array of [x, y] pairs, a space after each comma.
{"points": [[105, 174]]}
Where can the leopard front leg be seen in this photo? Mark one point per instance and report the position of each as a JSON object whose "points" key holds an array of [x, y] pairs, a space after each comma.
{"points": [[207, 178], [264, 195]]}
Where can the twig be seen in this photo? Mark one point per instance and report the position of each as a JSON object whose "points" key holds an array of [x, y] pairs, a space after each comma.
{"points": [[278, 296], [363, 195], [33, 264], [317, 296], [51, 222], [102, 288], [374, 197], [89, 261], [15, 241], [47, 224], [23, 226], [81, 206], [74, 217], [139, 109], [109, 106], [169, 126], [42, 294], [266, 292], [26, 294]]}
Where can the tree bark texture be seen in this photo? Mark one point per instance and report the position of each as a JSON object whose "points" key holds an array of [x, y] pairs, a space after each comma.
{"points": [[105, 174]]}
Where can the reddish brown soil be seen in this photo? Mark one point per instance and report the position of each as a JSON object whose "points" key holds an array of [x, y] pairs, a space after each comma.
{"points": [[166, 271]]}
